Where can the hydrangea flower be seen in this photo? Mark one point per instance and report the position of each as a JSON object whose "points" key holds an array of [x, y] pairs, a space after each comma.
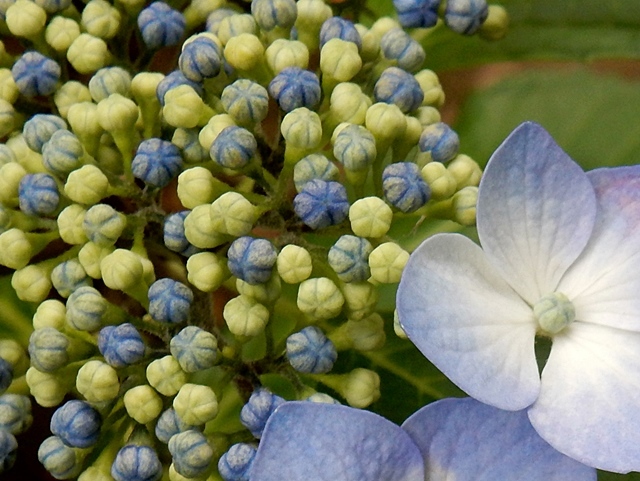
{"points": [[448, 439], [559, 259]]}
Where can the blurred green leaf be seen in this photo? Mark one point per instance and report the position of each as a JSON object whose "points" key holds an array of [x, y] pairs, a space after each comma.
{"points": [[594, 118]]}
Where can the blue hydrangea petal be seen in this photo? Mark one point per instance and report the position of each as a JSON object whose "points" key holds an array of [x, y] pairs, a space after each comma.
{"points": [[464, 439], [535, 213], [467, 321], [329, 442]]}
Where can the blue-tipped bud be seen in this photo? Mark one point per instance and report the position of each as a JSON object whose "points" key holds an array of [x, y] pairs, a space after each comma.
{"points": [[355, 147], [465, 16], [60, 460], [246, 101], [62, 153], [313, 166], [161, 25], [191, 453], [216, 17], [194, 348], [38, 194], [39, 129], [8, 450], [234, 148], [121, 345], [294, 87], [251, 259], [174, 237], [169, 301], [396, 86], [321, 203], [349, 258], [404, 187], [48, 349], [156, 162], [338, 27], [15, 413], [77, 424], [136, 463], [259, 407], [103, 224], [440, 141], [398, 45], [309, 351], [6, 375], [200, 59], [173, 80], [35, 74], [109, 80], [86, 308], [417, 13], [270, 14], [235, 464], [169, 424], [68, 276]]}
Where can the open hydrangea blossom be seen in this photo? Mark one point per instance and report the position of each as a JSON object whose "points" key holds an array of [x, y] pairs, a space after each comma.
{"points": [[449, 439], [560, 258]]}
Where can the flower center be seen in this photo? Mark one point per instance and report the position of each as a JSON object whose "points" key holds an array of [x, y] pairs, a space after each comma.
{"points": [[554, 312]]}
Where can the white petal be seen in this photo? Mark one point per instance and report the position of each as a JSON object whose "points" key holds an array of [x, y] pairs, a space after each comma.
{"points": [[462, 439], [536, 210], [604, 282], [329, 442], [590, 397], [468, 322]]}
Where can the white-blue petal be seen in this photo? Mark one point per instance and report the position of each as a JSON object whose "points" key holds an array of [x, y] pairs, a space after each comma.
{"points": [[604, 282], [464, 440], [535, 213], [328, 442], [590, 397], [466, 320]]}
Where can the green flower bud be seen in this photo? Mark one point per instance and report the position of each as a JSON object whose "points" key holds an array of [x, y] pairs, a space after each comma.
{"points": [[183, 107], [117, 113], [294, 264], [61, 32], [27, 158], [464, 205], [101, 19], [143, 404], [360, 299], [70, 225], [266, 293], [206, 271], [385, 121], [245, 316], [363, 335], [340, 60], [383, 25], [87, 185], [302, 129], [286, 53], [441, 181], [244, 52], [199, 229], [397, 328], [198, 10], [103, 225], [47, 389], [70, 93], [465, 171], [319, 298], [166, 376], [311, 15], [195, 187], [83, 119], [232, 214], [188, 142], [496, 26], [8, 88], [15, 249], [87, 53], [7, 117], [122, 270], [235, 25], [216, 124], [370, 217], [361, 388], [370, 43], [430, 85], [31, 283], [50, 313], [387, 262], [348, 104], [144, 86], [12, 352], [196, 404], [97, 382], [91, 255], [10, 176], [25, 19], [427, 115]]}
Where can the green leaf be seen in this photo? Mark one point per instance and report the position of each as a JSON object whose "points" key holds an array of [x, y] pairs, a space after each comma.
{"points": [[544, 29], [592, 117]]}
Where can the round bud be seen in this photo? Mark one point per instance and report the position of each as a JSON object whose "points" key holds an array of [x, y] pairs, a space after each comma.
{"points": [[319, 298]]}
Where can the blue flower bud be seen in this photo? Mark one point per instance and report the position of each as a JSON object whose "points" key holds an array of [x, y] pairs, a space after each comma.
{"points": [[417, 13], [85, 309], [349, 257], [191, 453], [235, 464], [194, 348], [294, 87], [156, 162], [169, 424], [174, 237], [200, 59], [38, 194], [440, 141], [355, 147], [77, 424], [465, 16], [48, 349], [173, 80], [15, 413], [121, 345], [396, 86], [136, 463], [270, 14], [59, 459], [321, 203], [62, 153], [233, 148], [313, 166], [404, 187], [39, 129], [338, 27], [109, 80], [251, 259], [68, 276], [309, 351], [35, 74], [246, 101], [169, 301], [8, 450], [161, 25], [256, 411], [103, 225], [398, 45]]}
